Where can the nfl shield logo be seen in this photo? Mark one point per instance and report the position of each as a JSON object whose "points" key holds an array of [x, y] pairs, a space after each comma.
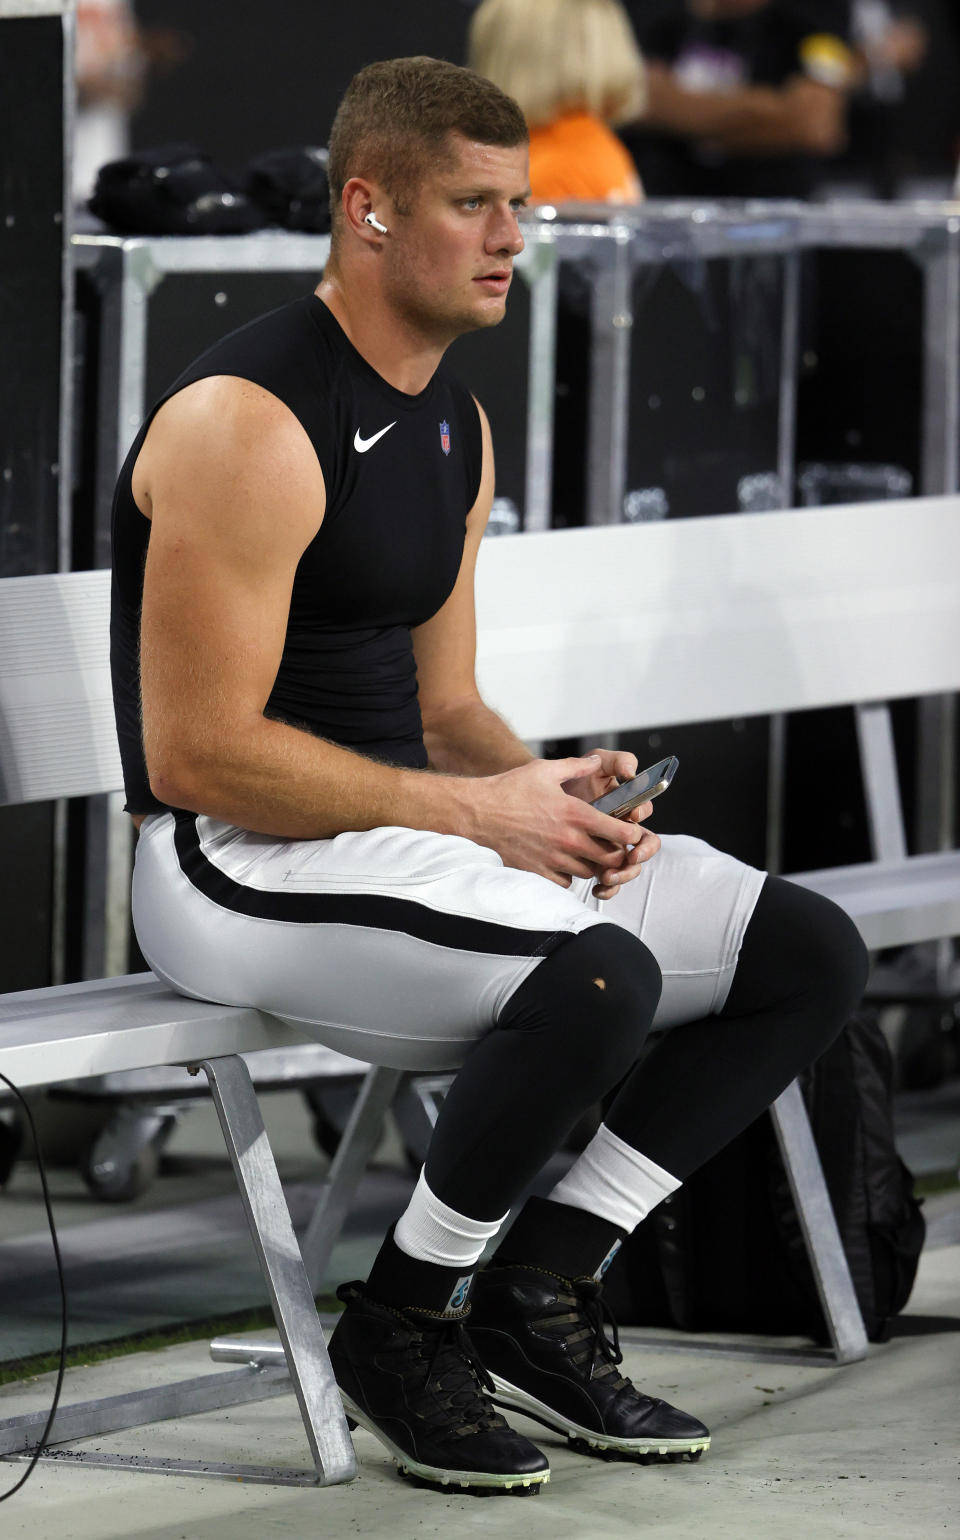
{"points": [[445, 437]]}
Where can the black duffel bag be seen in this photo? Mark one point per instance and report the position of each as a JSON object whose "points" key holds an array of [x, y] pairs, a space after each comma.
{"points": [[291, 187], [726, 1252], [172, 190]]}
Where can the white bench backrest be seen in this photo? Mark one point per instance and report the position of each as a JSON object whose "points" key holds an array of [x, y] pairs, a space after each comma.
{"points": [[582, 631], [588, 630], [57, 733]]}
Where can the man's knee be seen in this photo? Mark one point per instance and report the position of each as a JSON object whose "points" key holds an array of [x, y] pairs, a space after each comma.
{"points": [[592, 1000], [840, 960], [801, 950]]}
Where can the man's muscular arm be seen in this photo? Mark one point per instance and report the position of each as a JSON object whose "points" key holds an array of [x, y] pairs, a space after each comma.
{"points": [[235, 494], [464, 736]]}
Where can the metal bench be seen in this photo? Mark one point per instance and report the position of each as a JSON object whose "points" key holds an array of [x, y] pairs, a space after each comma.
{"points": [[581, 632], [126, 1023]]}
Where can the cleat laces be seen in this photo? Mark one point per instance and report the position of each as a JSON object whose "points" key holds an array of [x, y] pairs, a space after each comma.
{"points": [[448, 1396], [581, 1324], [451, 1395]]}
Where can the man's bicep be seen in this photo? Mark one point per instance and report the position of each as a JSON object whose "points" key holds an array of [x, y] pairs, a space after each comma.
{"points": [[227, 531], [212, 627]]}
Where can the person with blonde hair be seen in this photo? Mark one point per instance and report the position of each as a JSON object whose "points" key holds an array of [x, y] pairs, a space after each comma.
{"points": [[574, 68]]}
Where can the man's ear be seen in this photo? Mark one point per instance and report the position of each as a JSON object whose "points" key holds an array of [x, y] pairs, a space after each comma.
{"points": [[360, 202]]}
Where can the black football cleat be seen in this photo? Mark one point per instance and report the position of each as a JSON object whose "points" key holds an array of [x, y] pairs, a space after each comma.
{"points": [[542, 1340], [413, 1380]]}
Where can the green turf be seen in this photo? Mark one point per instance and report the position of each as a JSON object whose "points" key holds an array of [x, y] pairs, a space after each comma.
{"points": [[148, 1341], [935, 1182]]}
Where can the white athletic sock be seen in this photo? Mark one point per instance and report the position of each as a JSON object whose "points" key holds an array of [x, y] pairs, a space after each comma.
{"points": [[615, 1181], [431, 1232]]}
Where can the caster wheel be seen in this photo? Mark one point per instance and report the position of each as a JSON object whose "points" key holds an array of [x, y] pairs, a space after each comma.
{"points": [[113, 1182]]}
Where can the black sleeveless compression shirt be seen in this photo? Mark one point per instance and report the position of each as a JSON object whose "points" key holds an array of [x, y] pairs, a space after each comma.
{"points": [[401, 473]]}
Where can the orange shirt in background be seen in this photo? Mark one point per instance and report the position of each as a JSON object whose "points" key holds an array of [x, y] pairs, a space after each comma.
{"points": [[579, 157]]}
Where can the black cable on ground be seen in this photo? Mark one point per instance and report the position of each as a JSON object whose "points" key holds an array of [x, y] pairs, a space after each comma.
{"points": [[63, 1295]]}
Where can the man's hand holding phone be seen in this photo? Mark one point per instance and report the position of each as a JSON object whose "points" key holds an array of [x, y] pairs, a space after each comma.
{"points": [[540, 817], [616, 784], [527, 816]]}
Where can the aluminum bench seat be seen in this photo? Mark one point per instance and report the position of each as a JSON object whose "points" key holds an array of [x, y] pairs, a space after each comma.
{"points": [[74, 1031], [895, 903], [124, 1035]]}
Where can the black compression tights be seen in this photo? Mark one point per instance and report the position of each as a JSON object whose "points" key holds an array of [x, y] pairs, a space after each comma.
{"points": [[568, 1034], [801, 972], [563, 1041]]}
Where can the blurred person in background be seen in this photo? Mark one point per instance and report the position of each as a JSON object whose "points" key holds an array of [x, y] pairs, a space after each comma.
{"points": [[746, 98], [890, 42], [905, 115], [110, 68], [114, 60], [889, 46], [575, 69]]}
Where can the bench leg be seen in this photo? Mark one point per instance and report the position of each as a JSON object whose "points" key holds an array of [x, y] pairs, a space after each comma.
{"points": [[283, 1270], [824, 1246], [360, 1138]]}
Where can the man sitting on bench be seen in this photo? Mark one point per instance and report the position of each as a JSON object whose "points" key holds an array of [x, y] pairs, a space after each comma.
{"points": [[336, 829]]}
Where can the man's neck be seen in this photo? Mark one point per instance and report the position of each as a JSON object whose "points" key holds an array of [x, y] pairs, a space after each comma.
{"points": [[397, 350]]}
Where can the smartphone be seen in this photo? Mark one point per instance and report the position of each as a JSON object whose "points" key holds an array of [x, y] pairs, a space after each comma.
{"points": [[643, 788]]}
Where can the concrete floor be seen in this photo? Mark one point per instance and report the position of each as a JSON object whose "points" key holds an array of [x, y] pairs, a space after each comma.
{"points": [[864, 1451], [799, 1452]]}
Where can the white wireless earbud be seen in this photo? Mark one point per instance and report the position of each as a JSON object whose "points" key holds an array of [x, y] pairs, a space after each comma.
{"points": [[374, 223]]}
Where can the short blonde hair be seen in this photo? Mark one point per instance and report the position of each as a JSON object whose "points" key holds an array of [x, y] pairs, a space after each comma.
{"points": [[558, 56]]}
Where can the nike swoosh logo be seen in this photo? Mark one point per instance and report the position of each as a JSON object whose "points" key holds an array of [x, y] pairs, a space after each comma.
{"points": [[361, 445]]}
